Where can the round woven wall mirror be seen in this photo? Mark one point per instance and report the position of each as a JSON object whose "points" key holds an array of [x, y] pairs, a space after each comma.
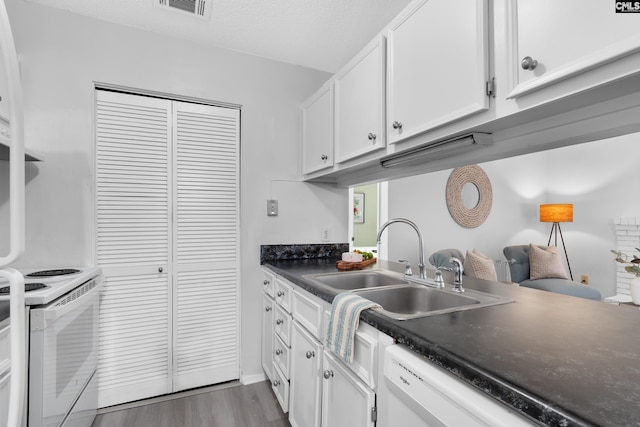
{"points": [[462, 196]]}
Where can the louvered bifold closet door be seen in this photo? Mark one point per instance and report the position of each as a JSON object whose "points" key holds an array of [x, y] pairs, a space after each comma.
{"points": [[133, 241], [206, 220]]}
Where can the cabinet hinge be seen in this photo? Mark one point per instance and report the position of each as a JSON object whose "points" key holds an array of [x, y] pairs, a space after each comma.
{"points": [[374, 414], [491, 87]]}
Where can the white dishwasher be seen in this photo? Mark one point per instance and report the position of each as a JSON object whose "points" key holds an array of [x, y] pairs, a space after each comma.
{"points": [[422, 394]]}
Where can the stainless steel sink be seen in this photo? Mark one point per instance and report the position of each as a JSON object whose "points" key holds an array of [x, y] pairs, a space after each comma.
{"points": [[350, 280], [412, 301]]}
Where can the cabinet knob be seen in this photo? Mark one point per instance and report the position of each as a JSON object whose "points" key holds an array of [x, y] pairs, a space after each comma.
{"points": [[267, 309], [278, 352], [279, 322], [276, 383], [371, 136], [266, 282], [160, 269], [324, 157], [310, 354], [280, 293], [327, 374], [528, 63], [397, 125]]}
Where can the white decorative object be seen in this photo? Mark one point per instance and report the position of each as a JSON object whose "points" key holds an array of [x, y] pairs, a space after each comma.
{"points": [[634, 286]]}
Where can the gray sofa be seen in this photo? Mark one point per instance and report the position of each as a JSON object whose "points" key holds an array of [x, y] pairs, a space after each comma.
{"points": [[520, 274]]}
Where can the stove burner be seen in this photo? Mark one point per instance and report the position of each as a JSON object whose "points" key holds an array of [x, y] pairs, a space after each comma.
{"points": [[51, 273], [27, 287]]}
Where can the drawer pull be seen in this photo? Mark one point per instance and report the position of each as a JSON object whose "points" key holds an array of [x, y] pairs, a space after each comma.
{"points": [[327, 374], [310, 354]]}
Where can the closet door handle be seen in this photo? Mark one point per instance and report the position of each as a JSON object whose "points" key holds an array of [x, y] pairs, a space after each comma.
{"points": [[310, 354], [279, 322], [327, 374], [160, 269]]}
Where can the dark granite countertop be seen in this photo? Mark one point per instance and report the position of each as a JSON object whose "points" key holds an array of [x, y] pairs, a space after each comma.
{"points": [[4, 310], [560, 360]]}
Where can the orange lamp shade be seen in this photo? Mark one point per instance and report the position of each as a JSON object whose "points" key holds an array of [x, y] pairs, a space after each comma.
{"points": [[556, 213]]}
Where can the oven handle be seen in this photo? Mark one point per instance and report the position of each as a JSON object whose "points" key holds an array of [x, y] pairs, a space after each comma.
{"points": [[42, 318]]}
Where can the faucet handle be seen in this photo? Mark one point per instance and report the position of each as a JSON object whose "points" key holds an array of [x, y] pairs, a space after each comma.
{"points": [[438, 279], [407, 267]]}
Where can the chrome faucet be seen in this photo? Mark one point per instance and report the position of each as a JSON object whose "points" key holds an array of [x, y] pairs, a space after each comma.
{"points": [[457, 274], [423, 273]]}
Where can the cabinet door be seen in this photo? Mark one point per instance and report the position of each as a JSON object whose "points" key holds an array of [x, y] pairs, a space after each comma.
{"points": [[438, 66], [267, 335], [346, 401], [359, 103], [317, 131], [305, 391], [595, 36]]}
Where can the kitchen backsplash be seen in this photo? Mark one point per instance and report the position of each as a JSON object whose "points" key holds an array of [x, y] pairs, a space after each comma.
{"points": [[304, 251]]}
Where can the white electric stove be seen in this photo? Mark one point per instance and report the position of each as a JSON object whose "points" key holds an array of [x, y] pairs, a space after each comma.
{"points": [[63, 308]]}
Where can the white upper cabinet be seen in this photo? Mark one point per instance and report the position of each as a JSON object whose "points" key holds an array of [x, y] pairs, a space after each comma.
{"points": [[438, 65], [550, 41], [359, 103], [317, 131]]}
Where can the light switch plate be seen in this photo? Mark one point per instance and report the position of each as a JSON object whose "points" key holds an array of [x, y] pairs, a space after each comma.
{"points": [[272, 208]]}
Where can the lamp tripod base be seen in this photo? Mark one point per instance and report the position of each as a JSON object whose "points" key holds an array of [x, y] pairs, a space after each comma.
{"points": [[555, 229]]}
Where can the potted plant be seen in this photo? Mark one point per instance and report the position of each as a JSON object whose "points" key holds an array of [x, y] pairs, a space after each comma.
{"points": [[631, 266]]}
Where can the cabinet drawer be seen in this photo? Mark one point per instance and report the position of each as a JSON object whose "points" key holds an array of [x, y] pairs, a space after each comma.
{"points": [[282, 325], [268, 282], [5, 345], [280, 387], [308, 313], [365, 354], [283, 293], [281, 355]]}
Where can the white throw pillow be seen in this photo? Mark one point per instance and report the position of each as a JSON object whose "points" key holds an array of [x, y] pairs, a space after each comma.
{"points": [[478, 265], [545, 262]]}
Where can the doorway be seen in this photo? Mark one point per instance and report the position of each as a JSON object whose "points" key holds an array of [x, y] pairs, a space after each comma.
{"points": [[367, 212]]}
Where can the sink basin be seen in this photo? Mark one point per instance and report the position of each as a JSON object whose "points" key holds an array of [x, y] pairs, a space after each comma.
{"points": [[412, 301], [350, 280]]}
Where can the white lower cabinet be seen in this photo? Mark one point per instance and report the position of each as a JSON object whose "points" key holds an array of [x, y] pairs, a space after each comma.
{"points": [[306, 379], [267, 335], [311, 383], [346, 400]]}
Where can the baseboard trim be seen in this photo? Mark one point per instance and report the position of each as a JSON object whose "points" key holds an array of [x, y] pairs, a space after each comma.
{"points": [[251, 379]]}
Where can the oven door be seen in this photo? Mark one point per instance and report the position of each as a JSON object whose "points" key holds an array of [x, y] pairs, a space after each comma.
{"points": [[63, 353]]}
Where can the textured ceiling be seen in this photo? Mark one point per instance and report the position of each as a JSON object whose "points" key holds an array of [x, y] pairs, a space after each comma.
{"points": [[320, 34]]}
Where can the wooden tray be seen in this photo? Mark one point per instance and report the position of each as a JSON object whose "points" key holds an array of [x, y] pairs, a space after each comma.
{"points": [[346, 265]]}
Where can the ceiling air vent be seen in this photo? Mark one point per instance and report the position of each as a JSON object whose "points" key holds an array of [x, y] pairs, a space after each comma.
{"points": [[200, 8]]}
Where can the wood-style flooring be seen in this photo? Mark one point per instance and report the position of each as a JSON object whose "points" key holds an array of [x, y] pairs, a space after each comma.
{"points": [[252, 405]]}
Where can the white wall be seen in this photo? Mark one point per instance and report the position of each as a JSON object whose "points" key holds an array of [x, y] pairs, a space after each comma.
{"points": [[63, 54], [598, 178]]}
